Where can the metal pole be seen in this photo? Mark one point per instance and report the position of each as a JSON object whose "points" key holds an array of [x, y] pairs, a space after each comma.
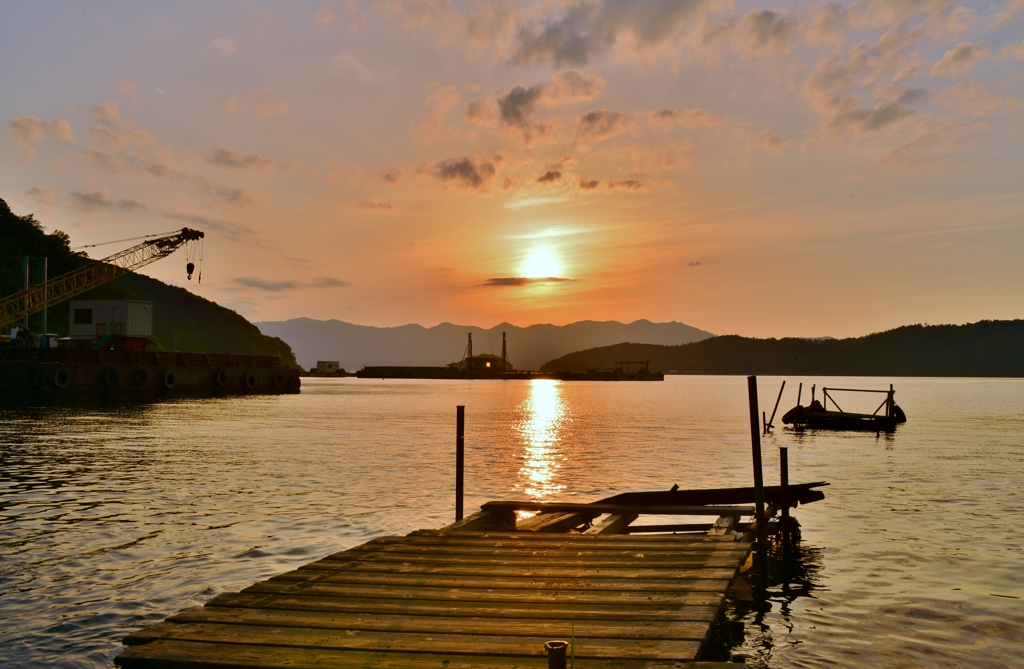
{"points": [[556, 653], [46, 277], [799, 392], [460, 458], [755, 446], [784, 485]]}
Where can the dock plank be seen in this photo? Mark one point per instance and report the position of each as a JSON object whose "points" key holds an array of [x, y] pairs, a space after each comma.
{"points": [[172, 654], [549, 627], [403, 642], [451, 599]]}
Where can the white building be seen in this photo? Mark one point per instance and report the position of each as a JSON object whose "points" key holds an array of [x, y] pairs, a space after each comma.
{"points": [[95, 318], [327, 366]]}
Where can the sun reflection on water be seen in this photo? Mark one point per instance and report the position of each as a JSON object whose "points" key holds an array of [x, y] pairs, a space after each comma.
{"points": [[543, 415]]}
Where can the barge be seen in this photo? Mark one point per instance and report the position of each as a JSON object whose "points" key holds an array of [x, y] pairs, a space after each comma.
{"points": [[818, 416], [60, 376]]}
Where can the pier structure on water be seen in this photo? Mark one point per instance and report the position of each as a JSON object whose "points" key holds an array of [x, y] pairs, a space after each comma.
{"points": [[490, 591]]}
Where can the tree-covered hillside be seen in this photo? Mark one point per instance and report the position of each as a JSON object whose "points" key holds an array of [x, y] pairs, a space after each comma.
{"points": [[191, 322], [987, 348]]}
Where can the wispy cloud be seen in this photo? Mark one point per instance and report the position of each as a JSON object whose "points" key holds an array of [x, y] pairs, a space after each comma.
{"points": [[524, 280], [348, 62], [278, 286]]}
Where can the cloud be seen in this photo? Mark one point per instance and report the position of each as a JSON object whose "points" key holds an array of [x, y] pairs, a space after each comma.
{"points": [[549, 176], [236, 159], [373, 203], [26, 131], [666, 119], [392, 175], [126, 86], [523, 280], [1014, 50], [601, 124], [825, 23], [350, 63], [229, 195], [262, 100], [466, 173], [625, 184], [42, 195], [107, 112], [864, 63], [324, 16], [961, 59], [930, 149], [90, 202], [577, 32], [589, 185], [973, 98], [693, 264], [769, 141], [865, 121], [893, 13], [236, 232], [126, 150], [278, 286], [60, 129], [225, 46], [433, 126], [758, 31], [516, 107]]}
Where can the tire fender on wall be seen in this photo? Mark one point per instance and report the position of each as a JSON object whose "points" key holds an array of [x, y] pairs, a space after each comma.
{"points": [[170, 379]]}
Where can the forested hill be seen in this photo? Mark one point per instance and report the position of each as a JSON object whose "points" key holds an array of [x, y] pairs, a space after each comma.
{"points": [[987, 348], [181, 319]]}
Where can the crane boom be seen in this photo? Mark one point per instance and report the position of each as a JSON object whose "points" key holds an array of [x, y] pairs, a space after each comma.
{"points": [[56, 290]]}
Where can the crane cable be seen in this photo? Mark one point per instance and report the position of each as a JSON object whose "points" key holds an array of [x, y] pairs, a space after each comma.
{"points": [[127, 239]]}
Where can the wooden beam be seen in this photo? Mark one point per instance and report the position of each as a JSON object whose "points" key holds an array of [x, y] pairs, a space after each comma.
{"points": [[597, 509], [615, 523]]}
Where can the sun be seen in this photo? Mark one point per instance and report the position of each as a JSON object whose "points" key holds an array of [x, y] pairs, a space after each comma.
{"points": [[542, 263]]}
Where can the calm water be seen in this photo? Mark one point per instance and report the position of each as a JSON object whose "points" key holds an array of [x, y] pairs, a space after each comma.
{"points": [[111, 520]]}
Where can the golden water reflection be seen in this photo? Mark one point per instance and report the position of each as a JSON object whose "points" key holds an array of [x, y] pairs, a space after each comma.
{"points": [[542, 418]]}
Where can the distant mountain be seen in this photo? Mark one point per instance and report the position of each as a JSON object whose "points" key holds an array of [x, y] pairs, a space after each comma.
{"points": [[356, 346], [987, 348]]}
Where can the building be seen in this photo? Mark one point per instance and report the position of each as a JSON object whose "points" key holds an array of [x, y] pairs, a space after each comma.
{"points": [[327, 367], [101, 323], [486, 362]]}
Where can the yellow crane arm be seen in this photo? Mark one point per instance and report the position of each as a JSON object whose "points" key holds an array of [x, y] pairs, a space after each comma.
{"points": [[56, 290]]}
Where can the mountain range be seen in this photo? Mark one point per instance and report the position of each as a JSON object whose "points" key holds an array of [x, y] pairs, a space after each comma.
{"points": [[356, 346]]}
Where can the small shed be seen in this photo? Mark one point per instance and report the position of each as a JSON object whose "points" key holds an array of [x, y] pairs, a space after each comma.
{"points": [[91, 319], [327, 367]]}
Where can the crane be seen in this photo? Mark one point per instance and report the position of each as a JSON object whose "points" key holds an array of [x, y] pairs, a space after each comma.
{"points": [[56, 290]]}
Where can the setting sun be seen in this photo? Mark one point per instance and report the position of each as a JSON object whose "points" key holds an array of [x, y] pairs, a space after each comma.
{"points": [[542, 263]]}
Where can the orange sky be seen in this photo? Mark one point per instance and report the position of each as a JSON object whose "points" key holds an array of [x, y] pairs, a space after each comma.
{"points": [[765, 169]]}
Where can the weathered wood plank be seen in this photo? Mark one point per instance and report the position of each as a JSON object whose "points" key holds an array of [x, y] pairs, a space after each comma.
{"points": [[362, 640], [692, 571], [598, 509], [615, 523], [634, 559], [407, 580], [551, 628], [698, 607], [550, 549], [724, 525], [618, 597], [168, 654], [527, 539], [554, 522], [675, 527]]}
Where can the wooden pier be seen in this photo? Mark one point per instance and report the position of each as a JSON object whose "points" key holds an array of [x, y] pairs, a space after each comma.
{"points": [[488, 591]]}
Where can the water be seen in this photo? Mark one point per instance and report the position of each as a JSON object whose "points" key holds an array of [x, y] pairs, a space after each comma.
{"points": [[111, 520]]}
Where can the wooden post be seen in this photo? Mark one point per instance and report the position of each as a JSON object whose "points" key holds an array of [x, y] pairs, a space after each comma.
{"points": [[799, 392], [764, 423], [784, 490], [771, 421], [759, 516], [556, 653], [460, 458]]}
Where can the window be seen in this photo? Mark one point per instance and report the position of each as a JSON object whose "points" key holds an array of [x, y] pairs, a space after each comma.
{"points": [[83, 316]]}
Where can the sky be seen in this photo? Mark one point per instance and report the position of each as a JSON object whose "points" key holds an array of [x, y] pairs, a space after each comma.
{"points": [[759, 168]]}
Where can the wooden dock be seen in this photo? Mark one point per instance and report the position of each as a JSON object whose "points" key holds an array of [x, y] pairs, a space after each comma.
{"points": [[469, 597]]}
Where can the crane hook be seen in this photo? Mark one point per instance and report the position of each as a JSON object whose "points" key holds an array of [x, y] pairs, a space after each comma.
{"points": [[190, 268]]}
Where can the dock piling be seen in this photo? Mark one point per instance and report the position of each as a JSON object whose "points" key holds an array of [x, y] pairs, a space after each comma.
{"points": [[556, 653], [784, 485], [460, 458], [759, 515]]}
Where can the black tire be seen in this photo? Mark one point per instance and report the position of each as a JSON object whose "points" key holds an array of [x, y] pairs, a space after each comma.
{"points": [[139, 377], [170, 379], [60, 378], [111, 379], [250, 380], [221, 378], [296, 383], [277, 379], [34, 376]]}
